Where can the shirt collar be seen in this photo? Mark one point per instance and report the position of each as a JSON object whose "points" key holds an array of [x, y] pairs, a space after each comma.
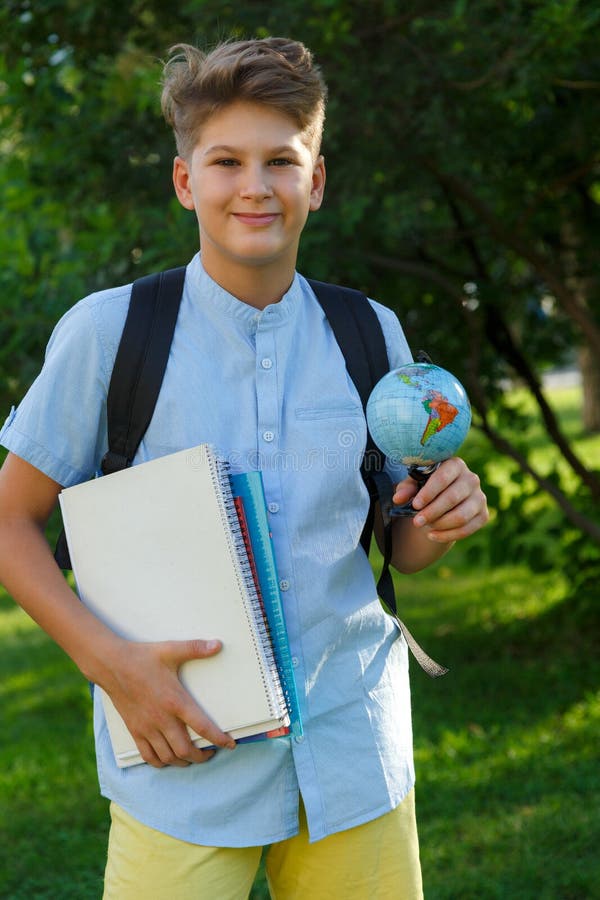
{"points": [[205, 290]]}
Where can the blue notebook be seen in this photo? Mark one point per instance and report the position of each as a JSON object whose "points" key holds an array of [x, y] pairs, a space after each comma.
{"points": [[248, 487]]}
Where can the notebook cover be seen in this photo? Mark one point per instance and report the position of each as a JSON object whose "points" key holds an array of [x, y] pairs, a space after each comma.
{"points": [[152, 557]]}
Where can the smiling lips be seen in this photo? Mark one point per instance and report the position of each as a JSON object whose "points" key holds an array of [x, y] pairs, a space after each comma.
{"points": [[256, 219]]}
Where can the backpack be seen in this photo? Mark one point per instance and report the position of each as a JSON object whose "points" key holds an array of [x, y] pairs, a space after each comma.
{"points": [[138, 372]]}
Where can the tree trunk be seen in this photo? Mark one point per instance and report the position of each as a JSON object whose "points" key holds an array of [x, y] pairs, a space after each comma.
{"points": [[590, 374]]}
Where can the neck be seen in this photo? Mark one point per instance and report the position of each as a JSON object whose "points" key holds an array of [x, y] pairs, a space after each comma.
{"points": [[258, 286]]}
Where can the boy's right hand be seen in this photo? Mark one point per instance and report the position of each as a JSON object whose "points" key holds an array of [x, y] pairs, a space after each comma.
{"points": [[145, 688]]}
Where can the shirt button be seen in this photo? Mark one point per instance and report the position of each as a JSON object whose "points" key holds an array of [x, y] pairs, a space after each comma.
{"points": [[268, 436], [284, 584], [299, 738], [266, 363], [295, 661], [273, 507]]}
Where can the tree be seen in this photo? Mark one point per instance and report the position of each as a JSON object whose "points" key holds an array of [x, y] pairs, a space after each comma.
{"points": [[464, 178]]}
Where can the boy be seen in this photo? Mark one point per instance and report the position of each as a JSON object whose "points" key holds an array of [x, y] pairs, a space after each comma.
{"points": [[254, 370]]}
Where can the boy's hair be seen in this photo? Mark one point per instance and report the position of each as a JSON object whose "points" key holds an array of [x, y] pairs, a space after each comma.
{"points": [[276, 72]]}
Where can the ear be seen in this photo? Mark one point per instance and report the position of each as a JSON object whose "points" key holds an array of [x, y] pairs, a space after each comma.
{"points": [[318, 184], [182, 180]]}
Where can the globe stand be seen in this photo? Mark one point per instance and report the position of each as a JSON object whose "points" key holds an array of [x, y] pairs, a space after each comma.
{"points": [[420, 474]]}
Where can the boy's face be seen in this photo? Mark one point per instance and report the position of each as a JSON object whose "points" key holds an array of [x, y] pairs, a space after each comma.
{"points": [[252, 181]]}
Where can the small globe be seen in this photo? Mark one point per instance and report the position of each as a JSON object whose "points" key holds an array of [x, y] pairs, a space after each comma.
{"points": [[418, 414]]}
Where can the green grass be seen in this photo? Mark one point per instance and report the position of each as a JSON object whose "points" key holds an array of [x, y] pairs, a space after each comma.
{"points": [[53, 824], [506, 746], [507, 743], [508, 780]]}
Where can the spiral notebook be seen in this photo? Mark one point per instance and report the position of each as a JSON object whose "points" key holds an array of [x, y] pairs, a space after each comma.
{"points": [[178, 548]]}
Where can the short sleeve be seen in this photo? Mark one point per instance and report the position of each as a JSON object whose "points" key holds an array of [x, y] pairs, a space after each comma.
{"points": [[60, 425]]}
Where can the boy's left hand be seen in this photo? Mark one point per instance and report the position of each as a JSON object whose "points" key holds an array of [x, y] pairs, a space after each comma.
{"points": [[451, 504]]}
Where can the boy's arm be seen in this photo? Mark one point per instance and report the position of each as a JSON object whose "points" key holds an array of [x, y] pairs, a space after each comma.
{"points": [[451, 506], [141, 678]]}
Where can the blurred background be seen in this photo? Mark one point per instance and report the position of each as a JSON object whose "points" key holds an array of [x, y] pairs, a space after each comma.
{"points": [[463, 152]]}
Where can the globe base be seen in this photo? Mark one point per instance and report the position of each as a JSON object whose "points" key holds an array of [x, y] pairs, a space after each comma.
{"points": [[420, 474]]}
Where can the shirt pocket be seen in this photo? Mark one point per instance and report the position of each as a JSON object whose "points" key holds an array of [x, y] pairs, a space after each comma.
{"points": [[338, 430], [329, 493]]}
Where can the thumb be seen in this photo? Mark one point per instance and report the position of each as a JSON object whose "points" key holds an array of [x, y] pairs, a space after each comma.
{"points": [[405, 490], [178, 652]]}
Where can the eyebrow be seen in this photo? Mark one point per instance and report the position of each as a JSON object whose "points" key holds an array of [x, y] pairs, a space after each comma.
{"points": [[225, 148]]}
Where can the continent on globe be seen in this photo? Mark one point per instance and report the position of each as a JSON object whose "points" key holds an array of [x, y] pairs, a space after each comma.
{"points": [[441, 413]]}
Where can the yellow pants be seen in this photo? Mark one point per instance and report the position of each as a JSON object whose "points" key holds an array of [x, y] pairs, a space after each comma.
{"points": [[375, 861]]}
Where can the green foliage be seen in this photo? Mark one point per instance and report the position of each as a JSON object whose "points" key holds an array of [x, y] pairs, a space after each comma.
{"points": [[84, 168], [425, 101], [463, 181], [527, 526]]}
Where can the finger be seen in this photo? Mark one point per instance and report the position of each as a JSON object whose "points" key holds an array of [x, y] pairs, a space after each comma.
{"points": [[194, 716], [182, 746], [200, 755], [148, 754], [177, 748], [459, 491], [179, 709], [456, 533], [175, 653], [405, 490], [460, 520], [185, 709], [449, 472], [174, 748]]}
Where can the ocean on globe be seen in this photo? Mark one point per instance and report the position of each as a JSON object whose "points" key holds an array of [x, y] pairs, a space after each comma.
{"points": [[418, 414]]}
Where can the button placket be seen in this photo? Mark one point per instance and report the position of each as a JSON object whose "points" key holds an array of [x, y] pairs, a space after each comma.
{"points": [[267, 403]]}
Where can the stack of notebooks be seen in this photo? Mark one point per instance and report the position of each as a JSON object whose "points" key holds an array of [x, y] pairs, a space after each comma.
{"points": [[179, 548]]}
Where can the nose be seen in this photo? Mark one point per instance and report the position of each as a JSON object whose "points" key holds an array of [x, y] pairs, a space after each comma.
{"points": [[256, 183]]}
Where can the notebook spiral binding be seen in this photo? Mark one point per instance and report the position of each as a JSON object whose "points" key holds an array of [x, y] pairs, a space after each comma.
{"points": [[253, 609]]}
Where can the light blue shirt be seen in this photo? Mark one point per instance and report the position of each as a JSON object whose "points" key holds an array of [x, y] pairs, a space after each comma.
{"points": [[269, 390]]}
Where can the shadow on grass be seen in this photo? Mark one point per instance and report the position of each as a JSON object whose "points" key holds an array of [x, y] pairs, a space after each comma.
{"points": [[532, 666]]}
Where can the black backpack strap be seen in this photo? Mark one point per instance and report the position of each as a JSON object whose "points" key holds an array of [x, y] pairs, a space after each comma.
{"points": [[140, 363], [138, 372], [358, 332]]}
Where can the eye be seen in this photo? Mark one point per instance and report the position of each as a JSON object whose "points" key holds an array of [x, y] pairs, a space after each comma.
{"points": [[281, 161], [226, 161]]}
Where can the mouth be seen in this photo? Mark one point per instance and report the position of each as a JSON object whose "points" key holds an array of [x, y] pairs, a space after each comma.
{"points": [[256, 220]]}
